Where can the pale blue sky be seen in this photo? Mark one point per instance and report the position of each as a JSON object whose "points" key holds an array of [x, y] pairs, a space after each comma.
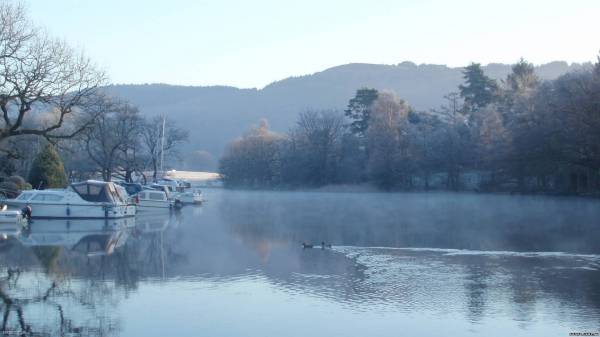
{"points": [[252, 43]]}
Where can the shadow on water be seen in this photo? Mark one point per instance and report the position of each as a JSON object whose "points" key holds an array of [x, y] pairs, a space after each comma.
{"points": [[472, 258]]}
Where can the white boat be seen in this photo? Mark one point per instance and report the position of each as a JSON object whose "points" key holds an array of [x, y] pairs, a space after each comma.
{"points": [[179, 191], [11, 223], [151, 199], [10, 217], [167, 188], [89, 199], [190, 197]]}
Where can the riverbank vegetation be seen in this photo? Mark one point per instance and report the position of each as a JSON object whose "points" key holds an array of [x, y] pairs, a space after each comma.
{"points": [[520, 134]]}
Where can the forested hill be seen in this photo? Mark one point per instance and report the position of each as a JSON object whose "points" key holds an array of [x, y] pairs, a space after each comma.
{"points": [[215, 115]]}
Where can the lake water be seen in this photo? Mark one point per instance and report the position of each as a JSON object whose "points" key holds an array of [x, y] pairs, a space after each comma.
{"points": [[417, 264]]}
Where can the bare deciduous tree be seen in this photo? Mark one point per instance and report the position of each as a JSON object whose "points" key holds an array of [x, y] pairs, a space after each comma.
{"points": [[152, 138], [316, 141], [40, 74], [115, 132]]}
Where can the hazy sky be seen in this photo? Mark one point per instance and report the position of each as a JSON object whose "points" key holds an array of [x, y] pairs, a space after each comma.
{"points": [[252, 43]]}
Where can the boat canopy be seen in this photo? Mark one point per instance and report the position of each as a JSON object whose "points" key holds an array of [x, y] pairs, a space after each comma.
{"points": [[97, 191]]}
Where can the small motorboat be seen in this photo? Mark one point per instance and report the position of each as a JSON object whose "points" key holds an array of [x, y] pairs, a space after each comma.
{"points": [[151, 199], [190, 197], [10, 217], [181, 191]]}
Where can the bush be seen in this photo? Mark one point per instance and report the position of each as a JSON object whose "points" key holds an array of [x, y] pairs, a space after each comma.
{"points": [[20, 182], [48, 170], [9, 189]]}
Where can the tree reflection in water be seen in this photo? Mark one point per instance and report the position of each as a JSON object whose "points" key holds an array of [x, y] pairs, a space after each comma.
{"points": [[67, 278], [46, 303], [72, 278], [486, 283]]}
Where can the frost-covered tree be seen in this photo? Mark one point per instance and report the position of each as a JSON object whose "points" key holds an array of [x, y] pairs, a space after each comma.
{"points": [[38, 72], [253, 160], [387, 139]]}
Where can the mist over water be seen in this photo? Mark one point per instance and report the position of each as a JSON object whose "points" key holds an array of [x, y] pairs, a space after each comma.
{"points": [[406, 263], [434, 220]]}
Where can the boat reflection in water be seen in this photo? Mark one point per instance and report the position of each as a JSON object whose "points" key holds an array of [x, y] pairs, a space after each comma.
{"points": [[64, 277], [90, 236], [8, 230]]}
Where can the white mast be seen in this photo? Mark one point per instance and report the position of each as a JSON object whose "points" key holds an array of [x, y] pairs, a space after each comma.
{"points": [[162, 146]]}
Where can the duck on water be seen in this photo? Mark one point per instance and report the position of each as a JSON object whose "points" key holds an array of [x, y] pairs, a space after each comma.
{"points": [[323, 245]]}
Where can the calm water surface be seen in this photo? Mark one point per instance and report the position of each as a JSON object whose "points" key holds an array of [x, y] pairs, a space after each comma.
{"points": [[426, 264]]}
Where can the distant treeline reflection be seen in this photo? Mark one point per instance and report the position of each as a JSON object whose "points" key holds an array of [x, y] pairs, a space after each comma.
{"points": [[519, 135]]}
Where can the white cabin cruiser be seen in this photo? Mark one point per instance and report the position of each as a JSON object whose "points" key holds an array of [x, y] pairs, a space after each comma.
{"points": [[11, 223], [191, 197], [180, 191], [153, 199], [89, 199]]}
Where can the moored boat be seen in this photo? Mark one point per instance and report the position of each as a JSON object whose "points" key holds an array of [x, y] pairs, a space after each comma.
{"points": [[181, 191], [151, 199], [89, 199], [191, 197], [10, 217]]}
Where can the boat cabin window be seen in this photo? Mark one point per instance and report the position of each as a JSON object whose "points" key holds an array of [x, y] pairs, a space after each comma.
{"points": [[156, 196], [166, 188], [47, 197], [132, 188], [94, 189]]}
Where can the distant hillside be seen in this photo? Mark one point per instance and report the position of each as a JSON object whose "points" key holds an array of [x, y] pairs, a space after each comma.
{"points": [[215, 115]]}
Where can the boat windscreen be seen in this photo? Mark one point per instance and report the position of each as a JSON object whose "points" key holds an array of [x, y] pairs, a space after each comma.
{"points": [[93, 192], [24, 196], [132, 189]]}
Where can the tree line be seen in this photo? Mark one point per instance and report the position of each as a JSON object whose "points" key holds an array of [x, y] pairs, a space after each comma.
{"points": [[519, 134], [53, 105]]}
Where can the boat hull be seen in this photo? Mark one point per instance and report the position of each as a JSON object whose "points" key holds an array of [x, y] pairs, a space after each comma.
{"points": [[74, 211], [10, 217]]}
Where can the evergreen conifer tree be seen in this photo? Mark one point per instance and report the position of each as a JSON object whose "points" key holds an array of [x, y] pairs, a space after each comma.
{"points": [[47, 170], [359, 110], [478, 90]]}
